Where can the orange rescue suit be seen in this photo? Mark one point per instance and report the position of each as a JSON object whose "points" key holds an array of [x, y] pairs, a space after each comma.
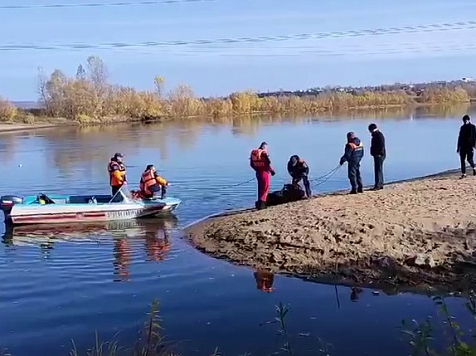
{"points": [[117, 173], [149, 179]]}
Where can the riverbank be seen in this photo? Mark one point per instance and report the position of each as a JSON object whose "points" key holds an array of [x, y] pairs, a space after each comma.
{"points": [[418, 234], [21, 127]]}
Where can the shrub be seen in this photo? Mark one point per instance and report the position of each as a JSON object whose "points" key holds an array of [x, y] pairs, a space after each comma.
{"points": [[7, 110]]}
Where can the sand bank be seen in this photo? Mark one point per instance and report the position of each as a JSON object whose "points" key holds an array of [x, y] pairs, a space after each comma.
{"points": [[416, 234], [22, 127]]}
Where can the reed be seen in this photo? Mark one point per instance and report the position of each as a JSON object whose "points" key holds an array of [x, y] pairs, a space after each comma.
{"points": [[421, 336], [8, 112]]}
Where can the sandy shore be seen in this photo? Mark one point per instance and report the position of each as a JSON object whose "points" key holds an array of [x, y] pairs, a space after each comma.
{"points": [[21, 127], [417, 234]]}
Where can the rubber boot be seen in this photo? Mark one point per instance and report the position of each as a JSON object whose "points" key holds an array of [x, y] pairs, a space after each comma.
{"points": [[261, 205]]}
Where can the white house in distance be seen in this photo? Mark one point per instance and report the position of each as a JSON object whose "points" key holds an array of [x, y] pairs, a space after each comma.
{"points": [[467, 80]]}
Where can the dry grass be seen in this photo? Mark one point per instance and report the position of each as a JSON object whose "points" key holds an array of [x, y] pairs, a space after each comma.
{"points": [[8, 112], [88, 98]]}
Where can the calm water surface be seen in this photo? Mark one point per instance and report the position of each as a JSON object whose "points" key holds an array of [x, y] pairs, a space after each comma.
{"points": [[57, 285]]}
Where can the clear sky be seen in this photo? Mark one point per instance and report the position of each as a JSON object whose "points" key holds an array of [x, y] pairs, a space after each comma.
{"points": [[289, 44]]}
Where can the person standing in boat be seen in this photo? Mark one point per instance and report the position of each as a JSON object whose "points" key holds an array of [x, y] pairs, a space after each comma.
{"points": [[299, 170], [354, 151], [151, 183], [117, 172], [260, 162]]}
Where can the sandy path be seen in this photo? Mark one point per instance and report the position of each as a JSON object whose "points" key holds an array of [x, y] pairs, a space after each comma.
{"points": [[367, 238]]}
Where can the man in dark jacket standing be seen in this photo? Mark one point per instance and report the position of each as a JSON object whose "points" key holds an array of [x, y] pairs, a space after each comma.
{"points": [[353, 153], [378, 152], [466, 144]]}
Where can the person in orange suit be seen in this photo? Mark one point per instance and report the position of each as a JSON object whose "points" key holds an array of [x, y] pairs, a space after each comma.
{"points": [[117, 173], [151, 183], [260, 162]]}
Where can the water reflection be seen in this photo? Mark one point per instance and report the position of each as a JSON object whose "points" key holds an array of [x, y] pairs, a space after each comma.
{"points": [[355, 293], [264, 280], [89, 144], [155, 234]]}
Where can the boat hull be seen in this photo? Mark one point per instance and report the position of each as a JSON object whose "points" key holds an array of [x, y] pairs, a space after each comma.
{"points": [[65, 209], [70, 213]]}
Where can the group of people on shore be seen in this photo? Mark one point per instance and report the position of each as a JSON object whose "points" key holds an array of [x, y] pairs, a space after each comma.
{"points": [[299, 169], [151, 183]]}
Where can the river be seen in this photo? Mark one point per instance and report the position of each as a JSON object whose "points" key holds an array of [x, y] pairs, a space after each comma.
{"points": [[58, 285]]}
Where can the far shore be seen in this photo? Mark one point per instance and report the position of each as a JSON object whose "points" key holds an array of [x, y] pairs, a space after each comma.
{"points": [[21, 127], [418, 234], [88, 98], [38, 121]]}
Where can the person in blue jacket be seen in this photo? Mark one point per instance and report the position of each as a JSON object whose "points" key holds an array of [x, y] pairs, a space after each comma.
{"points": [[353, 153]]}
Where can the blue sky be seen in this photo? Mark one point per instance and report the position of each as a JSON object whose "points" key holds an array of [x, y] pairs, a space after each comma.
{"points": [[336, 55]]}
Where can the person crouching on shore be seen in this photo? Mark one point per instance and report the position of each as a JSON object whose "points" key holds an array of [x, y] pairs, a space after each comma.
{"points": [[299, 170], [353, 153], [260, 162]]}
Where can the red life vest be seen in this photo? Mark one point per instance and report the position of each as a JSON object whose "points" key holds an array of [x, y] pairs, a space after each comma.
{"points": [[259, 159], [146, 181]]}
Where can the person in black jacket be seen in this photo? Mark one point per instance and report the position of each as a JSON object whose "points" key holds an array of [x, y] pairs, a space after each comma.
{"points": [[466, 144], [298, 169], [379, 153]]}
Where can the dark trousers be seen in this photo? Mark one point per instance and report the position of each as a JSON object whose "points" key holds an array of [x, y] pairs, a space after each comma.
{"points": [[305, 181], [115, 189], [466, 154], [378, 170], [354, 176], [157, 188]]}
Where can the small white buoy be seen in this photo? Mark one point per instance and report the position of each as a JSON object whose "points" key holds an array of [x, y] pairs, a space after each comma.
{"points": [[19, 165]]}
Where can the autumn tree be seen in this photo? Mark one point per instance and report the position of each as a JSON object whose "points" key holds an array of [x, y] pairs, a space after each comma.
{"points": [[159, 83]]}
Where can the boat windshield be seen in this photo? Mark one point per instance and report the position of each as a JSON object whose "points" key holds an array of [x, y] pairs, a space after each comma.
{"points": [[122, 195]]}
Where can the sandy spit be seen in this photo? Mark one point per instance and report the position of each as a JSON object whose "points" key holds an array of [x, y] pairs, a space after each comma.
{"points": [[411, 235], [24, 127]]}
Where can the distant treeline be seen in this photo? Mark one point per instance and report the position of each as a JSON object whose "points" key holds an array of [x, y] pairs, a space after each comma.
{"points": [[89, 98]]}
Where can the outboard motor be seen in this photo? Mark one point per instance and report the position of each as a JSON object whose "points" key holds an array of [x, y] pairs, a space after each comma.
{"points": [[8, 201]]}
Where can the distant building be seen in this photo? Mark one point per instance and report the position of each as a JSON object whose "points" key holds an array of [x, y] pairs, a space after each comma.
{"points": [[467, 80]]}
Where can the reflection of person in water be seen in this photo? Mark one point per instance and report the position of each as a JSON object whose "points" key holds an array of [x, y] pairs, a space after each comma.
{"points": [[354, 294], [264, 281], [122, 255], [157, 244]]}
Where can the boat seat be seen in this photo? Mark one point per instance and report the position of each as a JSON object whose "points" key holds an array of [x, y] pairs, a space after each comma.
{"points": [[85, 199]]}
